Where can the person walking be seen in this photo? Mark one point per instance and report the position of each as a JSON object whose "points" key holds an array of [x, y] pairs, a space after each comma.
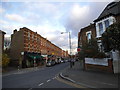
{"points": [[71, 64]]}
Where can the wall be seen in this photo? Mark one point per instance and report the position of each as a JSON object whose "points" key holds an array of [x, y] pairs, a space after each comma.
{"points": [[116, 61], [1, 48], [105, 64], [17, 45], [82, 38]]}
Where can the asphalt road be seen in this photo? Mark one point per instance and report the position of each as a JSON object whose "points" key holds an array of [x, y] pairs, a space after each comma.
{"points": [[45, 77]]}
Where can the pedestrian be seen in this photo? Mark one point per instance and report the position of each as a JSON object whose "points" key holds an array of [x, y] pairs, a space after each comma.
{"points": [[71, 64]]}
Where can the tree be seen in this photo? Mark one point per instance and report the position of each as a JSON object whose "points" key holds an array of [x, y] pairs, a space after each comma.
{"points": [[89, 49], [5, 60], [111, 36]]}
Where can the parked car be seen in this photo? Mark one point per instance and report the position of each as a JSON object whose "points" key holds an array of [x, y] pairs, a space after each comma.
{"points": [[66, 60], [58, 61], [62, 61], [53, 62], [49, 63]]}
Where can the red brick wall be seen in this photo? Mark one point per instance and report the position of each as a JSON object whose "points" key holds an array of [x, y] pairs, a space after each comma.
{"points": [[33, 42], [83, 31]]}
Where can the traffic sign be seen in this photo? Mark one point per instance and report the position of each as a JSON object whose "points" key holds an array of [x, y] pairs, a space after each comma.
{"points": [[78, 49]]}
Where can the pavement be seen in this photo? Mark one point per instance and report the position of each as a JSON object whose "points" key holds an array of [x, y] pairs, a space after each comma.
{"points": [[89, 78], [14, 70]]}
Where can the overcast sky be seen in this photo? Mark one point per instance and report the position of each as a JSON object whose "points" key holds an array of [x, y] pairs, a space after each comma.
{"points": [[49, 19]]}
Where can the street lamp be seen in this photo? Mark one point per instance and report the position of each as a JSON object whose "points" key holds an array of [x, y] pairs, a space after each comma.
{"points": [[69, 41]]}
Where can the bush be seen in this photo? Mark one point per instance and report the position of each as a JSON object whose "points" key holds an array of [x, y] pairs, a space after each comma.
{"points": [[5, 60], [90, 48], [81, 55], [111, 36], [100, 55]]}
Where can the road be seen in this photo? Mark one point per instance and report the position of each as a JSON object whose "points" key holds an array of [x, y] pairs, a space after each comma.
{"points": [[45, 77]]}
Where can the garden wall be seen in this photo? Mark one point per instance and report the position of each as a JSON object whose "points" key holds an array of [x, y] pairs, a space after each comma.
{"points": [[104, 64]]}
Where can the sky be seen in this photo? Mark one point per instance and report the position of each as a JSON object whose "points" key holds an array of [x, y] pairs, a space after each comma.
{"points": [[50, 18]]}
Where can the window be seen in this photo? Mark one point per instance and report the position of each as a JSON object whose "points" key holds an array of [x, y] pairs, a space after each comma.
{"points": [[28, 34], [88, 36], [101, 28], [106, 23], [33, 36]]}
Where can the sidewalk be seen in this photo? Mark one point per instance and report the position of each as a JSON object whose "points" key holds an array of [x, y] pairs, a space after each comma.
{"points": [[90, 78], [13, 70]]}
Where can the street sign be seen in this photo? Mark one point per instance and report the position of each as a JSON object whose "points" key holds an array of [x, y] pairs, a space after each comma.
{"points": [[78, 49]]}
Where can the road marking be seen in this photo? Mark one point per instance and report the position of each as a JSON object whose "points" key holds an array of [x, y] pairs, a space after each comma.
{"points": [[48, 80], [70, 83], [30, 89], [40, 84], [105, 83]]}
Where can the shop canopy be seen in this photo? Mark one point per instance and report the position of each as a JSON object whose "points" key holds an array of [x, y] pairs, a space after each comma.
{"points": [[35, 56]]}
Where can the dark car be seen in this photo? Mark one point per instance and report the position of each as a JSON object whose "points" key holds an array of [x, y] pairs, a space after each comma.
{"points": [[53, 62]]}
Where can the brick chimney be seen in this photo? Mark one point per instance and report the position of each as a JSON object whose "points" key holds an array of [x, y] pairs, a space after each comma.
{"points": [[14, 31]]}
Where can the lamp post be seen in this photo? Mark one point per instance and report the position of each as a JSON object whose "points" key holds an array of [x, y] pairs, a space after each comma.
{"points": [[69, 41]]}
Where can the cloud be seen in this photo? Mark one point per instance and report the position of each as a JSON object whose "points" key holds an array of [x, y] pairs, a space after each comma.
{"points": [[50, 19], [15, 18], [45, 8], [8, 29], [80, 16], [76, 18], [2, 10], [3, 22]]}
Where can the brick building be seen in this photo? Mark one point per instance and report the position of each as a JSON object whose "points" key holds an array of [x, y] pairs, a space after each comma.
{"points": [[2, 40], [28, 47], [1, 45], [86, 34], [110, 15]]}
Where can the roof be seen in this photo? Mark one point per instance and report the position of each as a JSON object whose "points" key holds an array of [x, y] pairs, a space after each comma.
{"points": [[89, 27], [112, 9], [2, 32]]}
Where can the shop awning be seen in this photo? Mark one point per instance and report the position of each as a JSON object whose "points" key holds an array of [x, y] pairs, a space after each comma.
{"points": [[35, 56]]}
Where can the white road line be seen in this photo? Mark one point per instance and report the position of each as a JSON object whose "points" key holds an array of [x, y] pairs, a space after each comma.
{"points": [[30, 89], [40, 84], [108, 84], [48, 80], [105, 83]]}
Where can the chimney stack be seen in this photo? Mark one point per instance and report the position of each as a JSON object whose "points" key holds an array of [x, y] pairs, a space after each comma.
{"points": [[14, 31]]}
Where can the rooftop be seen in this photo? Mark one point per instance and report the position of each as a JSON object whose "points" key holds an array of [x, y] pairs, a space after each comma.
{"points": [[112, 8]]}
